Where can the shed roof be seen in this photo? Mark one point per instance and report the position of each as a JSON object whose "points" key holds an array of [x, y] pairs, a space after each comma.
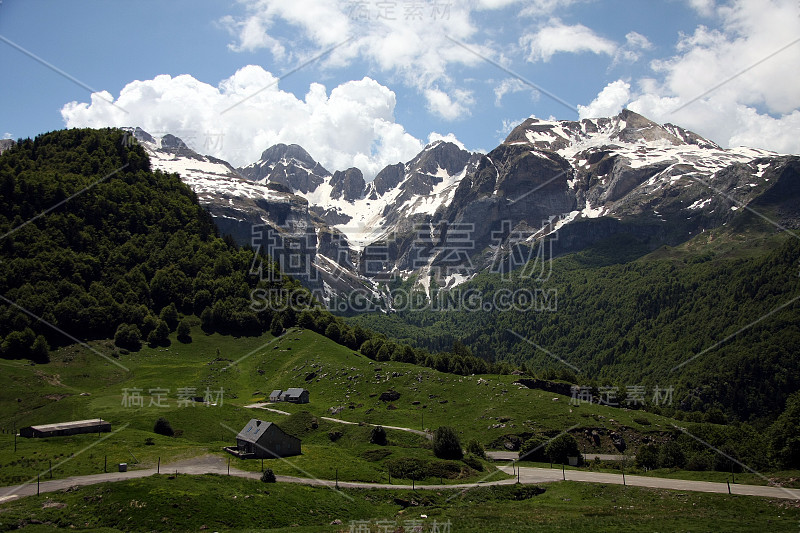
{"points": [[276, 392], [70, 425], [253, 430], [294, 391]]}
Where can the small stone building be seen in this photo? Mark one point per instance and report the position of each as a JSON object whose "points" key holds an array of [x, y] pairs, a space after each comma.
{"points": [[61, 429], [295, 395], [275, 396], [265, 440]]}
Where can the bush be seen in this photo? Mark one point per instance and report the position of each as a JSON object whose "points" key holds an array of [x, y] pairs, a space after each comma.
{"points": [[561, 448], [406, 468], [149, 441], [473, 462], [671, 456], [334, 435], [128, 336], [647, 456], [446, 444], [641, 420], [444, 469], [476, 448], [160, 335], [184, 331], [378, 436], [169, 314], [163, 427], [276, 327], [533, 449], [268, 476]]}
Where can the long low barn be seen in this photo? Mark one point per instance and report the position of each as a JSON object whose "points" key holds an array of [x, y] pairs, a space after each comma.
{"points": [[62, 429]]}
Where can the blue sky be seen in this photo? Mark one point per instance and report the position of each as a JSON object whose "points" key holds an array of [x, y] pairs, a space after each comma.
{"points": [[411, 72]]}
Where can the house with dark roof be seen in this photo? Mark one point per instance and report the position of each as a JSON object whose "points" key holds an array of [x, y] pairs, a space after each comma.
{"points": [[295, 395], [264, 440], [275, 396]]}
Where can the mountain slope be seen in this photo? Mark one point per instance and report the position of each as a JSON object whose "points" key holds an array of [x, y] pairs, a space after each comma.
{"points": [[446, 215]]}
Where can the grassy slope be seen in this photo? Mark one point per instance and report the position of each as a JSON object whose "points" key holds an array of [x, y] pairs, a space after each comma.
{"points": [[163, 503], [45, 394]]}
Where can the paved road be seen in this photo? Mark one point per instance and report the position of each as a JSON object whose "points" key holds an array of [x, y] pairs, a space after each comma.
{"points": [[529, 475], [513, 456], [212, 464]]}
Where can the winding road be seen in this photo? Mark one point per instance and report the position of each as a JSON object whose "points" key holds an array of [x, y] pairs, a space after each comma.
{"points": [[212, 464]]}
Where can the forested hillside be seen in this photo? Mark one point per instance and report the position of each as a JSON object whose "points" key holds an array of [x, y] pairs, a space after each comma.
{"points": [[124, 250], [96, 245], [634, 322]]}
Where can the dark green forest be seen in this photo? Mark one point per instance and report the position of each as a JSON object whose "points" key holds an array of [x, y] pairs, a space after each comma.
{"points": [[125, 252], [632, 323]]}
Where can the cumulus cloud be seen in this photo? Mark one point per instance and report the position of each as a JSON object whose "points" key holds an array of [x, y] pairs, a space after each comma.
{"points": [[733, 84], [450, 138], [7, 135], [449, 107], [557, 37], [609, 102], [353, 126], [408, 39]]}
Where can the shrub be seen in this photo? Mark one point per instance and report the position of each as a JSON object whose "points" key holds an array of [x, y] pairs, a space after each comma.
{"points": [[149, 441], [641, 420], [268, 476], [160, 335], [446, 444], [378, 436], [184, 331], [533, 449], [406, 468], [647, 456], [334, 435], [473, 462], [476, 448], [671, 456], [561, 448], [163, 427], [444, 469], [128, 336]]}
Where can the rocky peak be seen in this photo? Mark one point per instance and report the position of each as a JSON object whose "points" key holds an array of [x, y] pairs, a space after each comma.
{"points": [[348, 184], [289, 165]]}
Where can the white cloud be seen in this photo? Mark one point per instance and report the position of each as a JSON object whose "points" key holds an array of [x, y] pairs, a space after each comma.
{"points": [[557, 37], [447, 107], [704, 7], [391, 36], [734, 89], [7, 135], [510, 86], [450, 138], [635, 44], [609, 102], [354, 125]]}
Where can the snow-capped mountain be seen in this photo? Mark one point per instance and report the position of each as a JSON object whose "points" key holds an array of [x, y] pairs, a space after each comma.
{"points": [[448, 213]]}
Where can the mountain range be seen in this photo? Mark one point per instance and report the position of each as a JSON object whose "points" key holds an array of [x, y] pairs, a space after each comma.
{"points": [[552, 187]]}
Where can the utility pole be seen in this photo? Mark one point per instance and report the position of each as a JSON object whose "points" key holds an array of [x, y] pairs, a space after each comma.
{"points": [[158, 471], [337, 477], [105, 464], [563, 474], [229, 466]]}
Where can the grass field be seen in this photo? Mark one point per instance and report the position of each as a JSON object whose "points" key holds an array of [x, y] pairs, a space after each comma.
{"points": [[236, 372], [219, 503]]}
